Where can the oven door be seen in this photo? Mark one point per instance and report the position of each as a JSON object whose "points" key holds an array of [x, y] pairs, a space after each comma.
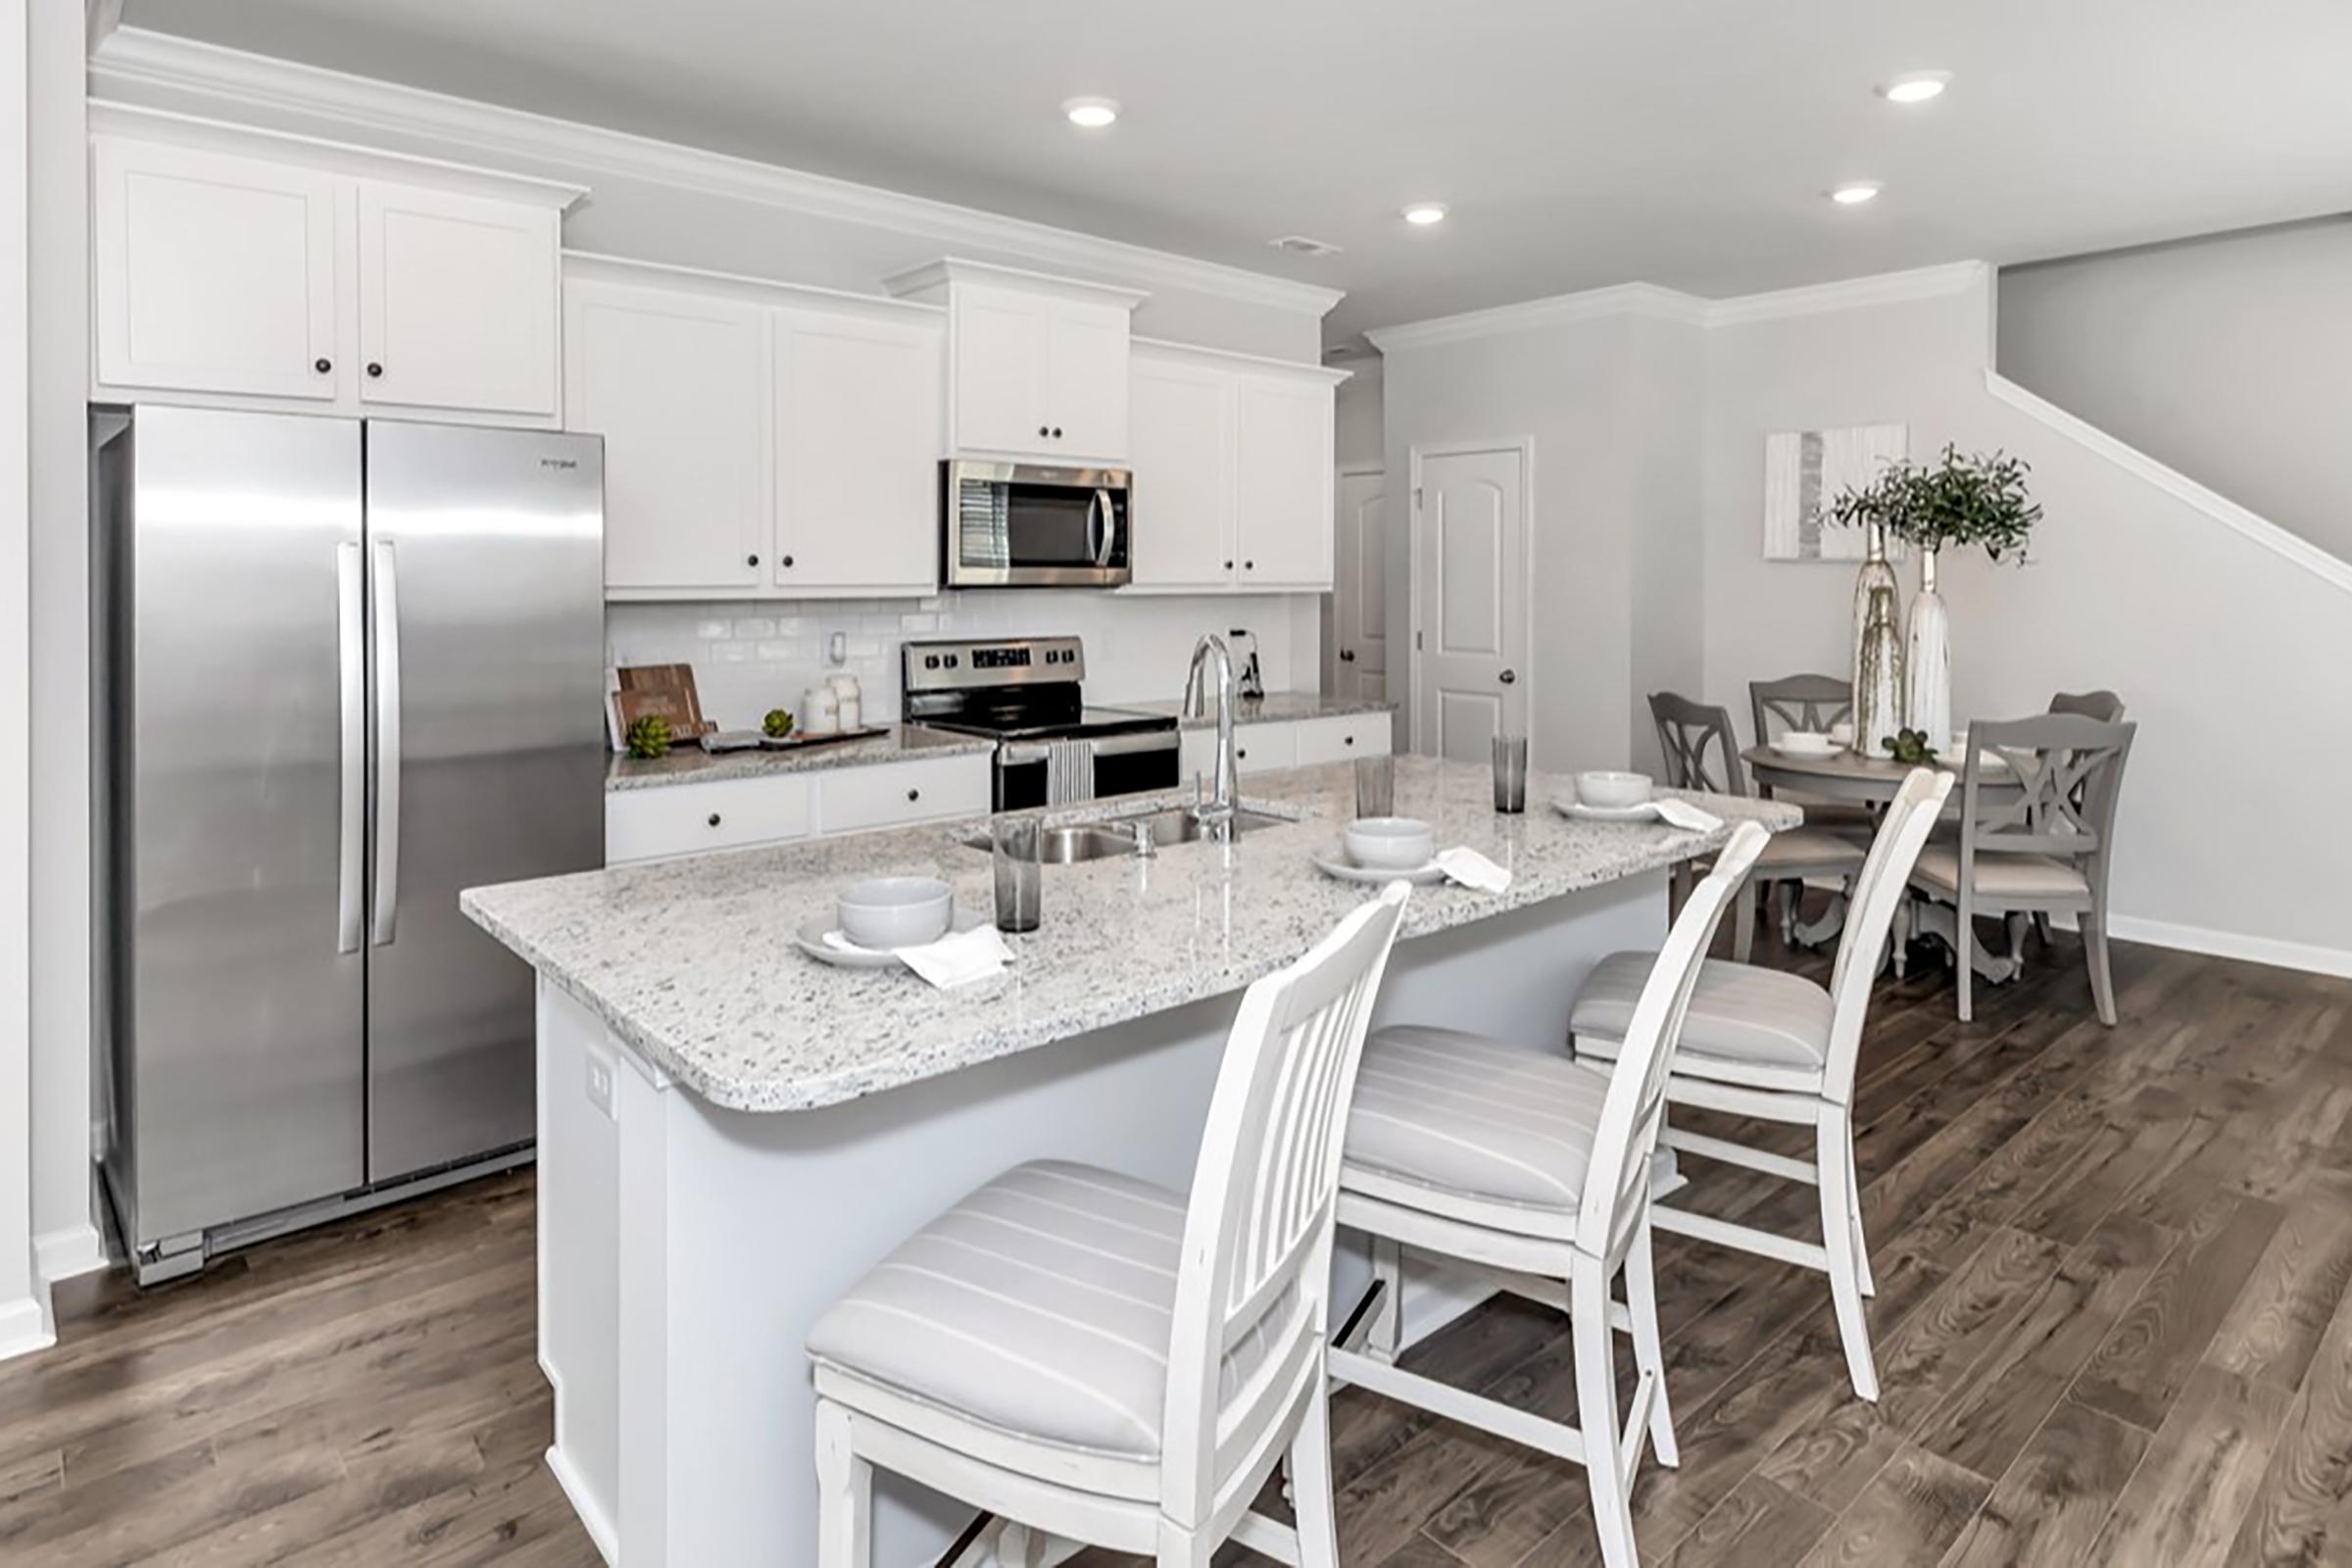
{"points": [[1030, 775], [1021, 525]]}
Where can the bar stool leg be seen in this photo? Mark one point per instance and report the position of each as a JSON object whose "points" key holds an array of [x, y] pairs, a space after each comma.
{"points": [[1597, 1414], [845, 1493], [1650, 1354]]}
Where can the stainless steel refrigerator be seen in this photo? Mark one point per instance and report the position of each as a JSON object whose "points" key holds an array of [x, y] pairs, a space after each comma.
{"points": [[344, 671]]}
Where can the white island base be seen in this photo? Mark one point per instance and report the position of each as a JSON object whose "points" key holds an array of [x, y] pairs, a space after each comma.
{"points": [[685, 1250]]}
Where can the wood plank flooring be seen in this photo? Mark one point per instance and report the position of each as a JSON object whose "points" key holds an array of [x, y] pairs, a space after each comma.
{"points": [[2112, 1323]]}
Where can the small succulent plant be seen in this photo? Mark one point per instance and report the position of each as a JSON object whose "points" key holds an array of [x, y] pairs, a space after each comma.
{"points": [[649, 737], [777, 724], [1910, 746]]}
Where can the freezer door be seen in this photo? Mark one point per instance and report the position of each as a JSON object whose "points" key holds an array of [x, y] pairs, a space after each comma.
{"points": [[239, 784], [485, 559]]}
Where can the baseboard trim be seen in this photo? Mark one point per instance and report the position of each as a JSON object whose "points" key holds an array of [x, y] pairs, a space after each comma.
{"points": [[25, 1328], [601, 1533], [60, 1255], [2305, 957]]}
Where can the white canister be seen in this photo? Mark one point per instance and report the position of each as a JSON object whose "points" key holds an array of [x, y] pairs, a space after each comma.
{"points": [[851, 712], [820, 711]]}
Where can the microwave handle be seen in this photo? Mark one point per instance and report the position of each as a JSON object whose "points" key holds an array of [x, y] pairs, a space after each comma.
{"points": [[1098, 529]]}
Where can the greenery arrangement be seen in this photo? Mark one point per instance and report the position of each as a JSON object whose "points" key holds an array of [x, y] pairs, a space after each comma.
{"points": [[1955, 502], [1909, 747], [649, 737]]}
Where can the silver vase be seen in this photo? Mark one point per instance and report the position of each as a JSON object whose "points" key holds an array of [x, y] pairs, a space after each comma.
{"points": [[1878, 675], [1876, 577]]}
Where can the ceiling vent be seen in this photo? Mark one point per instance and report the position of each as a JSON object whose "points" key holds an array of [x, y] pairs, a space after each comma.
{"points": [[1301, 245]]}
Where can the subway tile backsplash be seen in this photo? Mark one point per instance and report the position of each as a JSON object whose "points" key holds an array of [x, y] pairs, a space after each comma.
{"points": [[749, 658]]}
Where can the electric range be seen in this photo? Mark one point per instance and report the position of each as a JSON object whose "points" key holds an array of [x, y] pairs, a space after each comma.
{"points": [[1026, 694]]}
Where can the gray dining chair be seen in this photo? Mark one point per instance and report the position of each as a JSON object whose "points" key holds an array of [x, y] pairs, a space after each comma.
{"points": [[1703, 753], [2103, 705], [1811, 702], [2044, 847]]}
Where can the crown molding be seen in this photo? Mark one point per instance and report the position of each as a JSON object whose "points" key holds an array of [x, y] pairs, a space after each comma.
{"points": [[593, 266], [237, 83], [1149, 349], [1880, 288], [1622, 299], [935, 277]]}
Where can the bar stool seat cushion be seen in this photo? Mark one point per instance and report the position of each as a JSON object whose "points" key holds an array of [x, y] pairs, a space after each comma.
{"points": [[1739, 1013], [1039, 1305], [1478, 1118]]}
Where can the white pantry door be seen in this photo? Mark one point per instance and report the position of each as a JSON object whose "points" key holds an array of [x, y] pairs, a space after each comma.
{"points": [[1359, 598], [1470, 581]]}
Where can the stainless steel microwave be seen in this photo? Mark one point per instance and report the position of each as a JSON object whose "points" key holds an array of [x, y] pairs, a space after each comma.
{"points": [[1027, 526]]}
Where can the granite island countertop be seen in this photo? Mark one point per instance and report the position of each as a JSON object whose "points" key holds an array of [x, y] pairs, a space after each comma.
{"points": [[691, 963], [691, 764], [1275, 708]]}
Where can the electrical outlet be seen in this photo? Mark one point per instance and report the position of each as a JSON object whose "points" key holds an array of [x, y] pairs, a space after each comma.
{"points": [[599, 1085]]}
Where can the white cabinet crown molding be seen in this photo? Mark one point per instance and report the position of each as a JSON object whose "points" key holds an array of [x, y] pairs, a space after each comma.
{"points": [[598, 267], [936, 277], [1161, 350], [137, 122], [239, 83]]}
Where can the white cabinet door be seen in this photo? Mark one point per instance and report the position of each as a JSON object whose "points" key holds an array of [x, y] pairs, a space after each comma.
{"points": [[1003, 346], [1086, 379], [678, 387], [213, 272], [851, 800], [1180, 510], [459, 301], [1283, 483], [857, 442]]}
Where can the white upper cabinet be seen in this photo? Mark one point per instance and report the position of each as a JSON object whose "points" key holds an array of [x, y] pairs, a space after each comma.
{"points": [[1038, 365], [213, 272], [858, 441], [761, 441], [1233, 471], [457, 301], [1181, 506], [677, 385], [1283, 481], [257, 269]]}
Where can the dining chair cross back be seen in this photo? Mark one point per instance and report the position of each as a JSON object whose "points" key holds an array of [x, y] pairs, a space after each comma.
{"points": [[1096, 1359], [2041, 846], [1774, 1047], [1687, 732], [1508, 1160], [1810, 703]]}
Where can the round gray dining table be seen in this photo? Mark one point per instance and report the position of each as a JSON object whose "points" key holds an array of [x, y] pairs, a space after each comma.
{"points": [[1850, 778]]}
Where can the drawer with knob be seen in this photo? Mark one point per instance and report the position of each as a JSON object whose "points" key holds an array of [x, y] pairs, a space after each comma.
{"points": [[893, 793], [657, 823]]}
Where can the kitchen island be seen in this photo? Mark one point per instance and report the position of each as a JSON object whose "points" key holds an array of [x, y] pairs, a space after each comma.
{"points": [[730, 1132]]}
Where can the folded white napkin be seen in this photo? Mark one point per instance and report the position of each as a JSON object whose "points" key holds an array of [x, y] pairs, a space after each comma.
{"points": [[1472, 869], [1685, 815], [955, 959]]}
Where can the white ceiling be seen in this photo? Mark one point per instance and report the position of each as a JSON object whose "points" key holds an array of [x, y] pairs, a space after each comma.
{"points": [[1579, 142]]}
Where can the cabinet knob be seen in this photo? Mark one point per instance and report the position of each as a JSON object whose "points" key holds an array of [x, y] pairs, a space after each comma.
{"points": [[714, 819], [1249, 565], [374, 368], [1241, 753], [914, 795], [750, 560], [1346, 740], [1042, 430], [1229, 565], [1058, 432], [787, 560], [323, 366]]}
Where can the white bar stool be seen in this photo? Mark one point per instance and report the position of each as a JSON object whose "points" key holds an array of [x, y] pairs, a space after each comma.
{"points": [[1775, 1047], [1098, 1360], [1512, 1159]]}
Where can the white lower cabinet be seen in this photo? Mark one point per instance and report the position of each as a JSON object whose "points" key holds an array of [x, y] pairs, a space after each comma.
{"points": [[1266, 746], [665, 821], [1338, 740]]}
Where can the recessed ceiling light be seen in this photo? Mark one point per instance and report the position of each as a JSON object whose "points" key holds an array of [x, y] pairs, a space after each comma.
{"points": [[1423, 214], [1856, 194], [1092, 113], [1917, 88]]}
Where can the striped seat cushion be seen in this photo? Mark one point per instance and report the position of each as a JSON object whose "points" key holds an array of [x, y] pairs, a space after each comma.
{"points": [[1039, 1305], [1482, 1118], [1739, 1012]]}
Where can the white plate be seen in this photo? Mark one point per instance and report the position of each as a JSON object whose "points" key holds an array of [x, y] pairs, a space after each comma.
{"points": [[1647, 811], [1334, 861], [810, 939], [1813, 753]]}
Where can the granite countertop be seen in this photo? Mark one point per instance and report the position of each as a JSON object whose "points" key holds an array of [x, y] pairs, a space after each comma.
{"points": [[693, 963], [691, 764], [1275, 708]]}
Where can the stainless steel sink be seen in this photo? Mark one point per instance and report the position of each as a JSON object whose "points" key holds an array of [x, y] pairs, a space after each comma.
{"points": [[1111, 836]]}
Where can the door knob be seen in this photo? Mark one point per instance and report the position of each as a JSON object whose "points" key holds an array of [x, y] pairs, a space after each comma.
{"points": [[1510, 678], [1347, 655]]}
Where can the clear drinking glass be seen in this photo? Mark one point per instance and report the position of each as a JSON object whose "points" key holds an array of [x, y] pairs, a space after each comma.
{"points": [[1020, 879], [1375, 786], [1511, 773]]}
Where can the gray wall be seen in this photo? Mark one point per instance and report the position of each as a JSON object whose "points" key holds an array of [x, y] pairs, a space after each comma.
{"points": [[2227, 358]]}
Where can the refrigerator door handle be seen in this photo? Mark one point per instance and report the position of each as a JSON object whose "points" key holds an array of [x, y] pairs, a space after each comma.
{"points": [[352, 655], [387, 742]]}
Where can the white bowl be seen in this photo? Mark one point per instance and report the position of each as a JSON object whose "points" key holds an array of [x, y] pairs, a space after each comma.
{"points": [[896, 912], [1612, 792], [1805, 742], [1390, 842]]}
